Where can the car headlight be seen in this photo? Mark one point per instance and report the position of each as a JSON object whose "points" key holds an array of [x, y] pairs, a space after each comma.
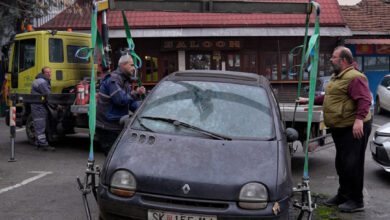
{"points": [[253, 196], [123, 183]]}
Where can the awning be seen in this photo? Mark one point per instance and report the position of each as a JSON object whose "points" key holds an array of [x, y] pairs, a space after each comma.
{"points": [[367, 41], [229, 32]]}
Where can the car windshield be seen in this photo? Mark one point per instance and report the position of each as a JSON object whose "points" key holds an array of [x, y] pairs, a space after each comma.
{"points": [[216, 109]]}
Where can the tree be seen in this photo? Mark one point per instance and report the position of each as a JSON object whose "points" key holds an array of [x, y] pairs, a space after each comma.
{"points": [[15, 15]]}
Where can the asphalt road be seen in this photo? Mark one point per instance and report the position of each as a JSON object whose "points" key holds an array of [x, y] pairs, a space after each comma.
{"points": [[42, 185]]}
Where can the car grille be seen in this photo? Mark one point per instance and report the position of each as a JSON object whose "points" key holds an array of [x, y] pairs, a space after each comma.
{"points": [[186, 203]]}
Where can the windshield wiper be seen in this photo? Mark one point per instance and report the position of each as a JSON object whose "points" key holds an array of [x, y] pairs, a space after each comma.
{"points": [[200, 130], [142, 125]]}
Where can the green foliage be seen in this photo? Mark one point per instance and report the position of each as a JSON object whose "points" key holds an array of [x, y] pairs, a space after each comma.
{"points": [[326, 213], [16, 14]]}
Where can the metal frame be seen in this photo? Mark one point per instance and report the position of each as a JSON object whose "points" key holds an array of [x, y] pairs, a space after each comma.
{"points": [[212, 6]]}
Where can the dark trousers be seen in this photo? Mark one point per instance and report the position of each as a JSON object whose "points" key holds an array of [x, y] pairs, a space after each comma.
{"points": [[350, 154], [106, 139]]}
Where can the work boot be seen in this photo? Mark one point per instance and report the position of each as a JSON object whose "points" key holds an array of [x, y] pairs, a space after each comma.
{"points": [[351, 206], [335, 201]]}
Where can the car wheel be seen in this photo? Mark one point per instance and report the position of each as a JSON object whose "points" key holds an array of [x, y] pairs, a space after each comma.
{"points": [[377, 110], [30, 131]]}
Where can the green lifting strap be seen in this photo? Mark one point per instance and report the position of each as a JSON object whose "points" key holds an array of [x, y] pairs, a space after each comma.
{"points": [[314, 46], [302, 65], [96, 39], [137, 60]]}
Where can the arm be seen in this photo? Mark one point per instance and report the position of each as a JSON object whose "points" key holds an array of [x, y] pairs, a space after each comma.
{"points": [[318, 100], [358, 91], [118, 95]]}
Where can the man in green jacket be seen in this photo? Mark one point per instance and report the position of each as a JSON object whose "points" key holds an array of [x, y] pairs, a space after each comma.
{"points": [[346, 106]]}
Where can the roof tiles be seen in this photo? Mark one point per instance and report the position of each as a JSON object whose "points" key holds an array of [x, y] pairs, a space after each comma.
{"points": [[330, 16], [368, 15]]}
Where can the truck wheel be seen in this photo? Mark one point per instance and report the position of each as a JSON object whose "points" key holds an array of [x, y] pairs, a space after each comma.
{"points": [[30, 132]]}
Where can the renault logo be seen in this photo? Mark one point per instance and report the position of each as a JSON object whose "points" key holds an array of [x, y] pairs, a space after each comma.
{"points": [[186, 189]]}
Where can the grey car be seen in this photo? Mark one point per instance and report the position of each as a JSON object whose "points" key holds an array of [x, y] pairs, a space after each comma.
{"points": [[203, 145], [380, 147], [383, 95]]}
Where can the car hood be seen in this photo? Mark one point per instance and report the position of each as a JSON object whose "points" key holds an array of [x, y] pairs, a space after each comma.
{"points": [[384, 130], [213, 169]]}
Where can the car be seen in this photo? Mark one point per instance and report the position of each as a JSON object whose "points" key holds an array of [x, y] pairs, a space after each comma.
{"points": [[203, 145], [380, 147], [382, 101]]}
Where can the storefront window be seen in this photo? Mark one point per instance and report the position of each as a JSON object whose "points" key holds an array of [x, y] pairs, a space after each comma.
{"points": [[359, 61], [200, 61], [151, 68], [376, 63], [284, 70]]}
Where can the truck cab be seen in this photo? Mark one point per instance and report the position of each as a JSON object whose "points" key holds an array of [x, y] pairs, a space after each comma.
{"points": [[57, 49], [29, 53]]}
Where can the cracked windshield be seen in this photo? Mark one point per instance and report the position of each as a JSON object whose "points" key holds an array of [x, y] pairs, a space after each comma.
{"points": [[220, 108]]}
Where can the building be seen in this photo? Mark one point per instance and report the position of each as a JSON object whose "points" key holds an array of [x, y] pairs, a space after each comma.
{"points": [[258, 43], [369, 21]]}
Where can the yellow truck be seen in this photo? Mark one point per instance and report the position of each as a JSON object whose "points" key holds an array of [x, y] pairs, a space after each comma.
{"points": [[29, 53]]}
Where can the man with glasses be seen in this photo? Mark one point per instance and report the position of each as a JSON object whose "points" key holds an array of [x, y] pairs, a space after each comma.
{"points": [[115, 100], [346, 106]]}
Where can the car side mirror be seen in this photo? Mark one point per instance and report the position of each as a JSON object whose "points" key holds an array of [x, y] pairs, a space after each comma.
{"points": [[388, 88], [292, 134]]}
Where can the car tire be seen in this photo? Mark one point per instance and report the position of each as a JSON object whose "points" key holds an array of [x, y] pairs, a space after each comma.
{"points": [[377, 110]]}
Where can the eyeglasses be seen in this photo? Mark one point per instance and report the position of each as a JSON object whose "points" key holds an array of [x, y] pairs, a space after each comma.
{"points": [[334, 57]]}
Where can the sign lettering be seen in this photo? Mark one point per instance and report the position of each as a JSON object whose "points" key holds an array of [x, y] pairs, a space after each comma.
{"points": [[205, 44]]}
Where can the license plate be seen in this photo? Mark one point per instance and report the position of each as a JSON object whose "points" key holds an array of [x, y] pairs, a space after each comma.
{"points": [[162, 215]]}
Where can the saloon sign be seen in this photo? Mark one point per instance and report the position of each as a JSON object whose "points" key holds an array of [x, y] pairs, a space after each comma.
{"points": [[201, 45]]}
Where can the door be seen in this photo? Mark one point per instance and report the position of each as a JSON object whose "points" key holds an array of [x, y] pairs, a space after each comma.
{"points": [[24, 65]]}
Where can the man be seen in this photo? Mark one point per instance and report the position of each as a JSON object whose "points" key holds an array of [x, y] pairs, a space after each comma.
{"points": [[41, 86], [346, 105], [115, 100]]}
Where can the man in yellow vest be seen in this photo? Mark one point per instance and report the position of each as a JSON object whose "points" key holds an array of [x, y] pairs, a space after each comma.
{"points": [[346, 106]]}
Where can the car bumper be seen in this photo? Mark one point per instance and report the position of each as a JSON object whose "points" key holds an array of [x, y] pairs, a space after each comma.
{"points": [[381, 155], [136, 207]]}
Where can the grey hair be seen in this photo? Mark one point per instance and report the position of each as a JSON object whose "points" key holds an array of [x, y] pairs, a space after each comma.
{"points": [[124, 59]]}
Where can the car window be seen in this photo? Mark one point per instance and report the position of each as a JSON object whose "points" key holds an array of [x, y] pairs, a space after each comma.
{"points": [[233, 110], [386, 82]]}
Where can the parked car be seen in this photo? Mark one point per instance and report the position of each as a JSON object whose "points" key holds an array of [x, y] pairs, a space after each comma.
{"points": [[383, 95], [203, 145], [380, 147]]}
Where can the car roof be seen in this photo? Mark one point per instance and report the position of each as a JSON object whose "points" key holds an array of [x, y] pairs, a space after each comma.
{"points": [[220, 75]]}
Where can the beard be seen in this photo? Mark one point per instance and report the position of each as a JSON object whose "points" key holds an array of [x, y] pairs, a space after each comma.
{"points": [[336, 67]]}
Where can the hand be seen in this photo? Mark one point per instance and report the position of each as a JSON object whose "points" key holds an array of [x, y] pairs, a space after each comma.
{"points": [[358, 129], [59, 107], [141, 90], [302, 100]]}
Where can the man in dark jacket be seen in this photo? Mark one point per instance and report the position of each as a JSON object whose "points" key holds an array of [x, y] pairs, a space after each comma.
{"points": [[41, 86], [115, 100]]}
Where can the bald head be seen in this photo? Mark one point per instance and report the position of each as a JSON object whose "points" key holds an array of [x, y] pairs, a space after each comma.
{"points": [[346, 53]]}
